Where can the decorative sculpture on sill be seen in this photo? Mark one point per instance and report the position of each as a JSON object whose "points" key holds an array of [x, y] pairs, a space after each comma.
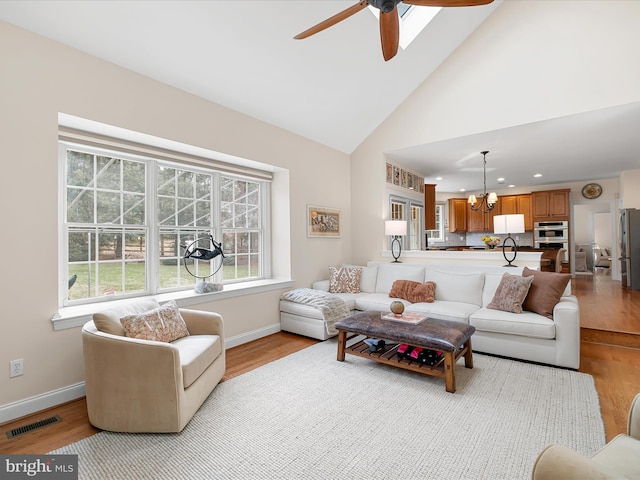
{"points": [[193, 253]]}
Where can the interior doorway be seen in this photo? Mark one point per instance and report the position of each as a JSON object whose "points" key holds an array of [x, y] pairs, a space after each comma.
{"points": [[594, 223]]}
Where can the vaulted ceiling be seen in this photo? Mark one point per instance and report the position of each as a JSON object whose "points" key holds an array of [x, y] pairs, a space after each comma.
{"points": [[333, 88]]}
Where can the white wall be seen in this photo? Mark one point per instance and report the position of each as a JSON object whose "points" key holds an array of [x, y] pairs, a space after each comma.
{"points": [[529, 61], [40, 78]]}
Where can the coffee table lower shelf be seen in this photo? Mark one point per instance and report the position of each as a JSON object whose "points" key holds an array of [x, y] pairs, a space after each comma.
{"points": [[388, 355]]}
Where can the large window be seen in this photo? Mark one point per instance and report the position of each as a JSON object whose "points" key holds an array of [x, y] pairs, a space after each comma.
{"points": [[127, 221]]}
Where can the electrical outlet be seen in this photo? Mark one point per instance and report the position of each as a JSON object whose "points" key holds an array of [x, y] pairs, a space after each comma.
{"points": [[517, 237], [16, 368]]}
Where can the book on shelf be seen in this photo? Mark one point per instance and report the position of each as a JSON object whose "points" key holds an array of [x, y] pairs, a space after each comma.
{"points": [[412, 318]]}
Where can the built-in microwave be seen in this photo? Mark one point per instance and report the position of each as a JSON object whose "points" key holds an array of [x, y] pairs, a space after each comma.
{"points": [[551, 232]]}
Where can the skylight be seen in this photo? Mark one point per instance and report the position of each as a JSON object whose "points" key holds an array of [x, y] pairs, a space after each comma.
{"points": [[412, 20]]}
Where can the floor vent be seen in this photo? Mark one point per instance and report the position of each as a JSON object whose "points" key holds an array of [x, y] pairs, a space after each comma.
{"points": [[33, 426]]}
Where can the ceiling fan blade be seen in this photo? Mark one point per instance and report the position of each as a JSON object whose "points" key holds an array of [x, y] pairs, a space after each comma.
{"points": [[329, 22], [447, 3], [389, 33]]}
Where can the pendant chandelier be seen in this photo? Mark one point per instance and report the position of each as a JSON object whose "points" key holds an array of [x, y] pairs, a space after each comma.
{"points": [[488, 200]]}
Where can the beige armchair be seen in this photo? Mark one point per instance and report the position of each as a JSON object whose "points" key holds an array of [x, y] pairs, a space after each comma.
{"points": [[580, 255], [135, 385], [619, 459]]}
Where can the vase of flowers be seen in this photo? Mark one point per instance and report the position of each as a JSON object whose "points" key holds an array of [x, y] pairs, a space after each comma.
{"points": [[491, 241]]}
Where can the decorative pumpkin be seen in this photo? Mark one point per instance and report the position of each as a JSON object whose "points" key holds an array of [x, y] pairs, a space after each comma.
{"points": [[397, 307]]}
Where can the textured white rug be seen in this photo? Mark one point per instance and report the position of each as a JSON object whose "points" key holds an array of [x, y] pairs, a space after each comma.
{"points": [[310, 416]]}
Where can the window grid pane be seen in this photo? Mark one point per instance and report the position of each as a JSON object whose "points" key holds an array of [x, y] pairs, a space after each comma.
{"points": [[107, 235]]}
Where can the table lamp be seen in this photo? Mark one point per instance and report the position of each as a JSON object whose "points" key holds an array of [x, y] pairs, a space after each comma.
{"points": [[509, 224], [396, 228]]}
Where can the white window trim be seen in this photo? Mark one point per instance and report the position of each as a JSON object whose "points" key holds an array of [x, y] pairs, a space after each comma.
{"points": [[407, 202], [78, 315], [440, 237]]}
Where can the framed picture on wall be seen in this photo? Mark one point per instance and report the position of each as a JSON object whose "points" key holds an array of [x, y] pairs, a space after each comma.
{"points": [[389, 173], [403, 175], [410, 180], [323, 222], [396, 175]]}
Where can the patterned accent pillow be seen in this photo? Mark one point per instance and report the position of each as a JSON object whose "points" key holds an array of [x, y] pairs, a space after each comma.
{"points": [[162, 324], [546, 290], [413, 291], [344, 279], [511, 293]]}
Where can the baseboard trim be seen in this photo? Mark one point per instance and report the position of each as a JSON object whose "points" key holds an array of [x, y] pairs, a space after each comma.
{"points": [[252, 335], [22, 408]]}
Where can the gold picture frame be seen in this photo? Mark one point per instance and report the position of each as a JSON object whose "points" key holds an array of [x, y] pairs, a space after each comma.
{"points": [[323, 222]]}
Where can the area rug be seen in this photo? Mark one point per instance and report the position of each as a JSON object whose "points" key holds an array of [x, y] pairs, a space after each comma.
{"points": [[308, 416]]}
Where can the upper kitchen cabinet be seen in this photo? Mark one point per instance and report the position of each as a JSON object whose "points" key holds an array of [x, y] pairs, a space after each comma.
{"points": [[457, 215], [511, 204], [479, 221], [550, 205], [429, 207]]}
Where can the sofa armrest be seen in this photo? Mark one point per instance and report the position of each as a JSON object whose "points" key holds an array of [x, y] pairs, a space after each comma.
{"points": [[557, 462], [321, 285], [566, 316], [633, 423]]}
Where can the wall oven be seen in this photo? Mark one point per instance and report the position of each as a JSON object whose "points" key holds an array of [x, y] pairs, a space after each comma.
{"points": [[545, 233]]}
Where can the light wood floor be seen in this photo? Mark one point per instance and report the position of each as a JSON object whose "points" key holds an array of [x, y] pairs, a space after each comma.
{"points": [[604, 308]]}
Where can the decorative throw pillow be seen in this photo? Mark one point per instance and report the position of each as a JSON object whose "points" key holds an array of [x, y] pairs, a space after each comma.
{"points": [[413, 291], [511, 293], [545, 292], [344, 279], [162, 324]]}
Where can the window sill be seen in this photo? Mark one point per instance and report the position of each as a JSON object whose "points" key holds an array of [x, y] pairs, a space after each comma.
{"points": [[77, 316]]}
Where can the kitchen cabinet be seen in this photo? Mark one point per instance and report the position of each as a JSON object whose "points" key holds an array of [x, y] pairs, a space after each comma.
{"points": [[479, 221], [457, 215], [550, 205], [513, 204], [429, 207]]}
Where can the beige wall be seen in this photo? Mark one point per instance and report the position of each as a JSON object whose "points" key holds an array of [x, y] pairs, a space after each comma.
{"points": [[40, 78], [529, 61]]}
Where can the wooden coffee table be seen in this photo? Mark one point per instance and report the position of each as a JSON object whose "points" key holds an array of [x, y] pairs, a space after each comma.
{"points": [[453, 339]]}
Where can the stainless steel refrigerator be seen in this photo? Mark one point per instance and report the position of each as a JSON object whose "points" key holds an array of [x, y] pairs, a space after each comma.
{"points": [[630, 248]]}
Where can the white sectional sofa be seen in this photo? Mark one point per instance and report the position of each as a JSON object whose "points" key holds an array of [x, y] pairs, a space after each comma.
{"points": [[462, 294]]}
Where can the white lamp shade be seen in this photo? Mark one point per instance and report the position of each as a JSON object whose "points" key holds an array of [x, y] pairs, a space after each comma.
{"points": [[508, 223], [492, 198], [472, 199], [395, 227]]}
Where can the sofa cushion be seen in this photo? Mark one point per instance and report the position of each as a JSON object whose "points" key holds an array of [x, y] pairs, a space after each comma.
{"points": [[526, 324], [197, 352], [457, 287], [377, 301], [413, 291], [162, 324], [344, 279], [108, 320], [545, 291], [443, 310], [510, 293], [367, 277], [390, 272]]}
